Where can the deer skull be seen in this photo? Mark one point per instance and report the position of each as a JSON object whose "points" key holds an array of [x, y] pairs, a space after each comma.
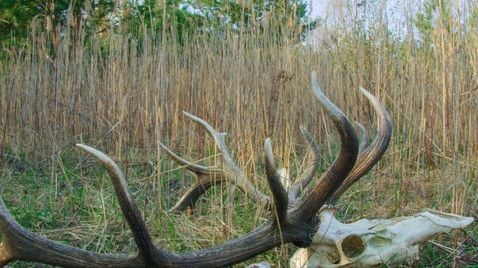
{"points": [[366, 243]]}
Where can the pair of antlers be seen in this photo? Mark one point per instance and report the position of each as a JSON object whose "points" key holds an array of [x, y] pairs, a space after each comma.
{"points": [[293, 220]]}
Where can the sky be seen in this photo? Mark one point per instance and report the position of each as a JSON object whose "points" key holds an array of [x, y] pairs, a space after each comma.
{"points": [[317, 7], [394, 10]]}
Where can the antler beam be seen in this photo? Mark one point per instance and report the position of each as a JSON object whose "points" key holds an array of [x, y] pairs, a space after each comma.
{"points": [[293, 220]]}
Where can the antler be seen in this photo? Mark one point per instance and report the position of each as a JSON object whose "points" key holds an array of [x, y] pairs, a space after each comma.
{"points": [[231, 172], [294, 217], [209, 176], [369, 154]]}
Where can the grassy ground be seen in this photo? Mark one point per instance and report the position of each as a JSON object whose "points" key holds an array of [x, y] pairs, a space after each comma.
{"points": [[78, 206], [121, 95]]}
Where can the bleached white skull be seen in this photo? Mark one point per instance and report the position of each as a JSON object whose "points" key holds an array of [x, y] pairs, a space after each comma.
{"points": [[366, 243]]}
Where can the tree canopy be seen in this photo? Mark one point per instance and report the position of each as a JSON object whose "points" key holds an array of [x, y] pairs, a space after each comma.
{"points": [[17, 17]]}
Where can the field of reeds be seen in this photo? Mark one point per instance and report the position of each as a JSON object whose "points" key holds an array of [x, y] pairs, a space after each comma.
{"points": [[124, 95]]}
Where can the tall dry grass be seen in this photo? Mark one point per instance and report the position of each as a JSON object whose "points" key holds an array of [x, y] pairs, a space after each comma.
{"points": [[122, 95]]}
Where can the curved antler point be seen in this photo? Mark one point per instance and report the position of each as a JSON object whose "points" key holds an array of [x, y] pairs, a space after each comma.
{"points": [[268, 151]]}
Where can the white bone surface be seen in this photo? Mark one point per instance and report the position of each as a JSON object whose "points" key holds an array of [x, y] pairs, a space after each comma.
{"points": [[366, 243]]}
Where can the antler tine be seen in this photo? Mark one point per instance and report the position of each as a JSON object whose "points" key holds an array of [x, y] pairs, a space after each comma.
{"points": [[310, 172], [343, 164], [369, 155], [209, 176], [206, 177], [218, 138], [279, 194], [363, 138], [21, 244], [128, 205], [195, 168]]}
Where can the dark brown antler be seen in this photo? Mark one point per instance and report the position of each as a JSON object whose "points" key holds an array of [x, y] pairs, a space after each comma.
{"points": [[369, 154], [231, 172], [293, 221]]}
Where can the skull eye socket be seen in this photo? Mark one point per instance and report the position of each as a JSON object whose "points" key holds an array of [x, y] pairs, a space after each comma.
{"points": [[353, 246]]}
